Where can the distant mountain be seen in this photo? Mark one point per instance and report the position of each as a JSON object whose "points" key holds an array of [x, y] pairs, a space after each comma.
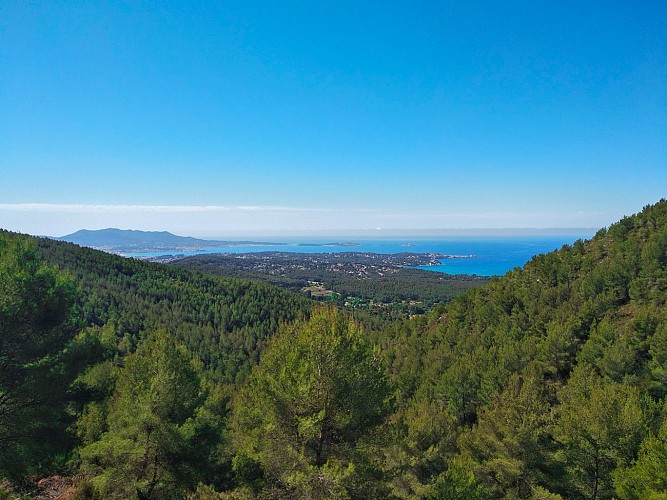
{"points": [[131, 241], [547, 383]]}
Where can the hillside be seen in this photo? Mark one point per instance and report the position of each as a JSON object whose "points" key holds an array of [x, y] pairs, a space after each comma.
{"points": [[547, 383], [555, 374], [225, 322]]}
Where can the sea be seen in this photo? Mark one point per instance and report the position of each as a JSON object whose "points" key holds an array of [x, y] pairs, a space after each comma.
{"points": [[492, 255]]}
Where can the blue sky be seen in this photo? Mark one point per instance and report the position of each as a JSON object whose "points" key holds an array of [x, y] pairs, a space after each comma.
{"points": [[211, 118]]}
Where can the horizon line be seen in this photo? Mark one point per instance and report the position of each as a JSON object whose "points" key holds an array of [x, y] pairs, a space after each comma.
{"points": [[358, 232]]}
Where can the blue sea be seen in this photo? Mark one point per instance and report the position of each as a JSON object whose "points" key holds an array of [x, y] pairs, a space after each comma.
{"points": [[494, 256]]}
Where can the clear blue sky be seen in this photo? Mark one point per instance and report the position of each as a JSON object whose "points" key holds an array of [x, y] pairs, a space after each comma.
{"points": [[217, 117]]}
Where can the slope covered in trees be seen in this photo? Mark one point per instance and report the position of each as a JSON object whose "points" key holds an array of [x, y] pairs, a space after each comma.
{"points": [[547, 383], [224, 322], [551, 378], [71, 317], [35, 328]]}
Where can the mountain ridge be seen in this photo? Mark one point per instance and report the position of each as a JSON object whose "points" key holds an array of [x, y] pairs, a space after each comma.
{"points": [[118, 240], [549, 382]]}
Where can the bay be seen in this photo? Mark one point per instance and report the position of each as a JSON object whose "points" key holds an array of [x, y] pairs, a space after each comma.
{"points": [[493, 256]]}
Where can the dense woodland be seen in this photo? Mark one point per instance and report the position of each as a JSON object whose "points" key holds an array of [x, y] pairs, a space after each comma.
{"points": [[223, 322], [128, 379]]}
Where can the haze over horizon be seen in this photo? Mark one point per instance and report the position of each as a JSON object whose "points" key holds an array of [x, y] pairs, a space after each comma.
{"points": [[65, 219], [247, 119], [377, 233]]}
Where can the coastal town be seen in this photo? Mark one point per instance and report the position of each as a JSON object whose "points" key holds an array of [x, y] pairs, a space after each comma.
{"points": [[358, 264]]}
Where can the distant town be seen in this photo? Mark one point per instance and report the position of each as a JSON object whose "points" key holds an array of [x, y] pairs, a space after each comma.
{"points": [[359, 264]]}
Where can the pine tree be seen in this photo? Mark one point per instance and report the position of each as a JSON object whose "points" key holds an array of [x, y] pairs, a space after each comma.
{"points": [[35, 326], [143, 453], [302, 415]]}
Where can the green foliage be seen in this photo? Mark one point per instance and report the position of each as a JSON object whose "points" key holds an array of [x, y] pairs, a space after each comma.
{"points": [[417, 443], [224, 322], [307, 406], [35, 328], [598, 306], [544, 384], [657, 365], [600, 425], [510, 445], [646, 478], [458, 483], [153, 414]]}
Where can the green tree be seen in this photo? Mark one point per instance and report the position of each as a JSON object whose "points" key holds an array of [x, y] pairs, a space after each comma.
{"points": [[646, 478], [305, 408], [420, 438], [458, 483], [600, 426], [510, 445], [35, 312], [658, 362], [143, 453]]}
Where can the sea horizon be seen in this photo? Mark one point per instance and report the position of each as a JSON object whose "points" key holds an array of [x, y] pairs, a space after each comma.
{"points": [[393, 233], [490, 255]]}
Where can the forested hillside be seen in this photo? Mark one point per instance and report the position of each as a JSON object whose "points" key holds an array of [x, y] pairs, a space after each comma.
{"points": [[224, 322], [547, 383], [551, 378]]}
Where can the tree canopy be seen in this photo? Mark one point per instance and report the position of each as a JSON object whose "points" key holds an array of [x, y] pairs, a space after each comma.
{"points": [[316, 393], [129, 379], [35, 327]]}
